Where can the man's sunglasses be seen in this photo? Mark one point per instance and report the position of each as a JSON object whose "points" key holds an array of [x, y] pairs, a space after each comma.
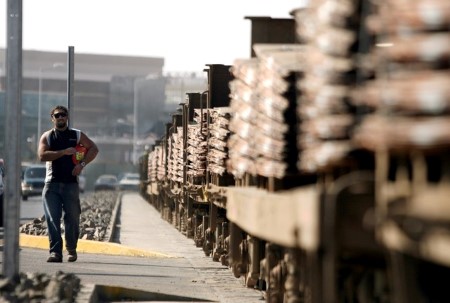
{"points": [[58, 115]]}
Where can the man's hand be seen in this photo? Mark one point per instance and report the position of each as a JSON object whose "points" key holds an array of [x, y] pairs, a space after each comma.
{"points": [[77, 170], [69, 151]]}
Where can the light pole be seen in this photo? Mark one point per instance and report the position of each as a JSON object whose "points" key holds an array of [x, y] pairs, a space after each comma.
{"points": [[135, 116], [41, 70], [136, 86]]}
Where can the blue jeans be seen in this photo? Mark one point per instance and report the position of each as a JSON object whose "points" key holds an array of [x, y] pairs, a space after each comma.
{"points": [[59, 198]]}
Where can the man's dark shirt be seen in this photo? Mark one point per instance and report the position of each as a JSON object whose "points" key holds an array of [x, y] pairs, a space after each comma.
{"points": [[60, 170]]}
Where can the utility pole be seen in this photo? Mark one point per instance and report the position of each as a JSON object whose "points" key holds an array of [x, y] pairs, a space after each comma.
{"points": [[40, 93], [12, 139], [70, 82]]}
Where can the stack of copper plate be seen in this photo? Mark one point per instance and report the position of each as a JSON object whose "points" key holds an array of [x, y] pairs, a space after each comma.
{"points": [[170, 161], [197, 146], [241, 144], [161, 170], [152, 165], [218, 136], [276, 123], [175, 161], [411, 95], [156, 170], [329, 29], [263, 123]]}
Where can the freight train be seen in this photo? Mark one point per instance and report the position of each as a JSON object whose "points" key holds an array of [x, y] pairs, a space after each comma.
{"points": [[318, 169]]}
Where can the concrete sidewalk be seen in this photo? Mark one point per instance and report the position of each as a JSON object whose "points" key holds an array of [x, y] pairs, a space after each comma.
{"points": [[141, 226], [153, 257]]}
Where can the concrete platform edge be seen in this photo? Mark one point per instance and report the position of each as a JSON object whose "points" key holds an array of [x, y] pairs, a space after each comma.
{"points": [[111, 231]]}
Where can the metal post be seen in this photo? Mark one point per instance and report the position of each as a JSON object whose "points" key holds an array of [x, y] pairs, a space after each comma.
{"points": [[40, 92], [70, 83], [12, 139], [38, 136], [135, 117], [136, 86]]}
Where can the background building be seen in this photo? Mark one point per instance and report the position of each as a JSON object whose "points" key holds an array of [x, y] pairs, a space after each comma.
{"points": [[119, 101]]}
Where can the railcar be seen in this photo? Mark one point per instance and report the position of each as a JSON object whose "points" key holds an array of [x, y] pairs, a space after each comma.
{"points": [[314, 169]]}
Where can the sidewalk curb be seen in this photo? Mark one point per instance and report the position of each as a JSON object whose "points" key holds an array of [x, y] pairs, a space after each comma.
{"points": [[96, 247], [92, 247], [111, 230]]}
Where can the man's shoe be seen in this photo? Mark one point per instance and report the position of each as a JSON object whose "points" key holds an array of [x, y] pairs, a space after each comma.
{"points": [[54, 258], [72, 256]]}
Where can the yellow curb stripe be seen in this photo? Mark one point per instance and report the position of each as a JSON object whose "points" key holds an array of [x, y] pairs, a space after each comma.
{"points": [[92, 247]]}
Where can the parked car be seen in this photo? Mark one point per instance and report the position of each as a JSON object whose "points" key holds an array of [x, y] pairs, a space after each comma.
{"points": [[2, 175], [33, 181], [129, 181], [105, 182], [2, 187]]}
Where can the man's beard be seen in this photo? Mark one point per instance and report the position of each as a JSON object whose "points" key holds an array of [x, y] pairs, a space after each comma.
{"points": [[60, 124]]}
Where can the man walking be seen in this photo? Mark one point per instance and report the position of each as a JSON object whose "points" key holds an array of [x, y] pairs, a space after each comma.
{"points": [[58, 147]]}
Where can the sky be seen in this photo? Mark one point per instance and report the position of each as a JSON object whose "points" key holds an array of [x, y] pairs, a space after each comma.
{"points": [[188, 34]]}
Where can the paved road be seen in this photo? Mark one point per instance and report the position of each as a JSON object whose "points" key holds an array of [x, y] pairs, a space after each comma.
{"points": [[31, 209]]}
